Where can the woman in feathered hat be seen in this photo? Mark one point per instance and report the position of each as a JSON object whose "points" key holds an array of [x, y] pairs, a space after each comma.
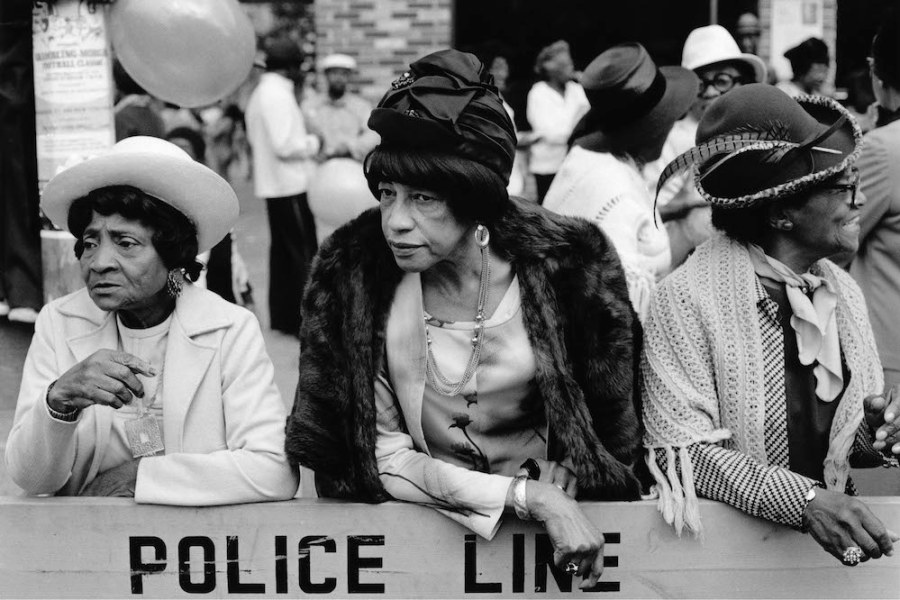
{"points": [[761, 379], [460, 348]]}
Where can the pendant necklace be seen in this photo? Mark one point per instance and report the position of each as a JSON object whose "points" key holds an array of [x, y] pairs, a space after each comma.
{"points": [[436, 379]]}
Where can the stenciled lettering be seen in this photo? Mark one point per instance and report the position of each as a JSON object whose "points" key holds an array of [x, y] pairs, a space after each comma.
{"points": [[355, 562], [138, 567], [306, 583], [208, 583]]}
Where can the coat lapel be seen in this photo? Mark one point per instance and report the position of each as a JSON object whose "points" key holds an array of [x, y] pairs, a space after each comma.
{"points": [[405, 333], [188, 356]]}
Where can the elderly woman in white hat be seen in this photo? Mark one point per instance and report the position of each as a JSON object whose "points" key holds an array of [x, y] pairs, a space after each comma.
{"points": [[142, 384], [761, 379], [713, 55]]}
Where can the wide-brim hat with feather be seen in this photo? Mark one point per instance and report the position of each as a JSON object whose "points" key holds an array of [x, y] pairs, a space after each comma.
{"points": [[447, 101], [158, 168], [756, 144]]}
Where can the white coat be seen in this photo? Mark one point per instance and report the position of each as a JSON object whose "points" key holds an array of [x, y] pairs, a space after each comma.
{"points": [[223, 417]]}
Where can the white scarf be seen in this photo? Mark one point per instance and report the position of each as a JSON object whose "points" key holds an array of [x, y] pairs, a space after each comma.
{"points": [[813, 321]]}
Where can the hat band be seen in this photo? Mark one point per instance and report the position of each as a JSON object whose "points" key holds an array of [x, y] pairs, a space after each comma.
{"points": [[612, 118]]}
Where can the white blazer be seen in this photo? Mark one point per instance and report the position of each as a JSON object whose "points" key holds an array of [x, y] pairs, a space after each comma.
{"points": [[223, 416]]}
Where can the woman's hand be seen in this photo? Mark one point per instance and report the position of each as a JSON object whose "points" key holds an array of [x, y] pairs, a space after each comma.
{"points": [[559, 475], [117, 482], [106, 377], [883, 416], [838, 521], [575, 538]]}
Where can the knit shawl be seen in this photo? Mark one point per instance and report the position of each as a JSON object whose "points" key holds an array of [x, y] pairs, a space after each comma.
{"points": [[703, 377], [576, 311]]}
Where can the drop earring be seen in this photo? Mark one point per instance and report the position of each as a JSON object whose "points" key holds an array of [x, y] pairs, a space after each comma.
{"points": [[174, 282]]}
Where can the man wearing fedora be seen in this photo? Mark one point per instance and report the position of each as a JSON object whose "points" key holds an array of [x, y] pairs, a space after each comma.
{"points": [[715, 57], [282, 148], [339, 115], [633, 106]]}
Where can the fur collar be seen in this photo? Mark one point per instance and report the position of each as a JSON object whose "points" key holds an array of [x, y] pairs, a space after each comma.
{"points": [[577, 314]]}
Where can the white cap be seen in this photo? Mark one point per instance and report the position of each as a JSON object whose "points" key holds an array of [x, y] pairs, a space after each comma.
{"points": [[338, 61], [712, 44]]}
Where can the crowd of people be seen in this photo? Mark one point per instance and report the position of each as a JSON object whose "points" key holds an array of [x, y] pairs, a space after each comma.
{"points": [[671, 317]]}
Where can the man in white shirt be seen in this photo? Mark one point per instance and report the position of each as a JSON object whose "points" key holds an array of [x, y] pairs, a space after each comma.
{"points": [[282, 148]]}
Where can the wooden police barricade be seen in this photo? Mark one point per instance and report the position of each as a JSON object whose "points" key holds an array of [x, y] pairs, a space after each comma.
{"points": [[113, 548]]}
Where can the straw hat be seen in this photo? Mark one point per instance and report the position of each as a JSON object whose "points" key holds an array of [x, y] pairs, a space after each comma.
{"points": [[713, 44], [158, 168]]}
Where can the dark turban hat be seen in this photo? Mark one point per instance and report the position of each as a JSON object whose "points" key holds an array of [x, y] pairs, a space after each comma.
{"points": [[447, 102]]}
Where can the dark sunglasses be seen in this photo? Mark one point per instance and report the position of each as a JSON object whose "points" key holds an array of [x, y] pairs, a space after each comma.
{"points": [[850, 186], [721, 82]]}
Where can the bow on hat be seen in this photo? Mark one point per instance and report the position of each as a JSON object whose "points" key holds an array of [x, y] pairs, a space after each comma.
{"points": [[447, 100]]}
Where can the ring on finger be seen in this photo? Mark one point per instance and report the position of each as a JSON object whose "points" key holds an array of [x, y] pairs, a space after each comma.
{"points": [[571, 568], [852, 556]]}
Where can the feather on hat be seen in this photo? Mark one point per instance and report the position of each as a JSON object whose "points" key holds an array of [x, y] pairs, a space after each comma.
{"points": [[756, 144]]}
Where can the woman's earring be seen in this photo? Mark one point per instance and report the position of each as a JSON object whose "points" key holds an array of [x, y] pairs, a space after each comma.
{"points": [[482, 235], [787, 225], [174, 282]]}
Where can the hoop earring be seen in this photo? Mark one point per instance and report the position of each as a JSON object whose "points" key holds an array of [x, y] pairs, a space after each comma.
{"points": [[174, 282], [482, 236]]}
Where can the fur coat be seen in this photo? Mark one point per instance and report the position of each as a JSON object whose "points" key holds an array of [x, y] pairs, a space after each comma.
{"points": [[578, 318]]}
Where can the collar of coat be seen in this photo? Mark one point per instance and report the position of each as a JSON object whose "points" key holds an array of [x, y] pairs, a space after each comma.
{"points": [[577, 314], [196, 317]]}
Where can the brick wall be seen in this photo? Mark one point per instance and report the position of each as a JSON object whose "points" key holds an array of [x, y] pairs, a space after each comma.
{"points": [[384, 36]]}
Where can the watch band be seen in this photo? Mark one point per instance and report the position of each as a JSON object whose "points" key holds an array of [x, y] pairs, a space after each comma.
{"points": [[68, 416]]}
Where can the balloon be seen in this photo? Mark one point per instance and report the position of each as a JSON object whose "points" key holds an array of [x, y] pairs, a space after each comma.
{"points": [[187, 52], [337, 193]]}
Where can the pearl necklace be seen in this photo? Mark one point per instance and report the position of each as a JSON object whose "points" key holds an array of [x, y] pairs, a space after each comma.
{"points": [[436, 379]]}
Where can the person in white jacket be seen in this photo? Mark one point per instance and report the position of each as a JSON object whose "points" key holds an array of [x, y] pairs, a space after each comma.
{"points": [[554, 106], [141, 384], [283, 150]]}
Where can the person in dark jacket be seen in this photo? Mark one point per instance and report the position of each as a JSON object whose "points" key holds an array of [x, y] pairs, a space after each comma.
{"points": [[460, 348]]}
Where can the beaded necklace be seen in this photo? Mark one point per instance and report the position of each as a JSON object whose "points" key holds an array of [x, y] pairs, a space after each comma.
{"points": [[438, 380]]}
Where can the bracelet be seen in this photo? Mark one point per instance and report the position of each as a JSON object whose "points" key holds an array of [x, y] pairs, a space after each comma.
{"points": [[69, 416], [520, 501]]}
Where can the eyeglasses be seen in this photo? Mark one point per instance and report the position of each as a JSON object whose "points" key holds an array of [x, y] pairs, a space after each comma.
{"points": [[721, 82], [851, 186]]}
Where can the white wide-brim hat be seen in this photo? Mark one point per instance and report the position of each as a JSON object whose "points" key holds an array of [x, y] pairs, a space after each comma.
{"points": [[158, 168], [713, 44]]}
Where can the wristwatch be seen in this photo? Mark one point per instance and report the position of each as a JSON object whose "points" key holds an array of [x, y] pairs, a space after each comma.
{"points": [[68, 416], [809, 498]]}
